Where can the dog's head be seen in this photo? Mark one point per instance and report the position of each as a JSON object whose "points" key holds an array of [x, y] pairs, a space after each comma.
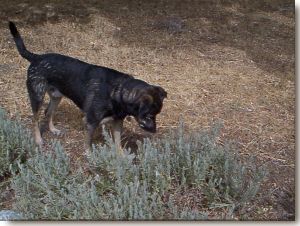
{"points": [[144, 102], [150, 104]]}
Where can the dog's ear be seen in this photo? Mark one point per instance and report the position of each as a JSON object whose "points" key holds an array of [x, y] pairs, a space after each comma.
{"points": [[162, 93], [146, 99], [145, 102]]}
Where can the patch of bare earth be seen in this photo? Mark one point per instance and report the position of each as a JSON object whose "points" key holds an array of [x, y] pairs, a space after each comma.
{"points": [[218, 60]]}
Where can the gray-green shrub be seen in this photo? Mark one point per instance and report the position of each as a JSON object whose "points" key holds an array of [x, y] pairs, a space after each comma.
{"points": [[133, 186], [15, 142]]}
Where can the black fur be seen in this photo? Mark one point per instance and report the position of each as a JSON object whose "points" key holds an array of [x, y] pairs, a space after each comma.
{"points": [[98, 91], [20, 44]]}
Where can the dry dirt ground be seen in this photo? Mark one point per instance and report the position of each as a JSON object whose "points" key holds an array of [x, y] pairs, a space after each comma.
{"points": [[229, 61]]}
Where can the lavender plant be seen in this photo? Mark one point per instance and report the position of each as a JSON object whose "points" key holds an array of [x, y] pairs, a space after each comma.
{"points": [[135, 186], [15, 143]]}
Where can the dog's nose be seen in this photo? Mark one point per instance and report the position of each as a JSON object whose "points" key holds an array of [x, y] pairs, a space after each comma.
{"points": [[148, 128], [152, 130]]}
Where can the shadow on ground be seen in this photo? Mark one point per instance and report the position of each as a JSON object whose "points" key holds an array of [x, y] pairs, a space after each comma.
{"points": [[255, 27]]}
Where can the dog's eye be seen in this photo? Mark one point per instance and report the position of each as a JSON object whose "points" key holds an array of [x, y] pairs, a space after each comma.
{"points": [[149, 117]]}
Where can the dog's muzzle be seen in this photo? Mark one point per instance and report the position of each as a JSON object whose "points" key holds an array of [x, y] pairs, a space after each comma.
{"points": [[148, 124]]}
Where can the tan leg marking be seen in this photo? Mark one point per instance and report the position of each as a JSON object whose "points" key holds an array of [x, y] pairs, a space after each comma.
{"points": [[117, 127]]}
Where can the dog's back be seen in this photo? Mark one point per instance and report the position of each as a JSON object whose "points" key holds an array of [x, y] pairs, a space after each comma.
{"points": [[72, 77]]}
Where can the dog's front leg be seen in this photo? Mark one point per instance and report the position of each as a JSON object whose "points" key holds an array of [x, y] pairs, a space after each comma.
{"points": [[117, 127], [55, 99], [89, 132]]}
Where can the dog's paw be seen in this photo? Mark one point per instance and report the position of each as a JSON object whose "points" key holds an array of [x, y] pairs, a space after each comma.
{"points": [[120, 151], [55, 131], [39, 142]]}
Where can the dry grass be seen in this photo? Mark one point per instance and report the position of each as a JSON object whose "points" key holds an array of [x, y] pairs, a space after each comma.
{"points": [[219, 60]]}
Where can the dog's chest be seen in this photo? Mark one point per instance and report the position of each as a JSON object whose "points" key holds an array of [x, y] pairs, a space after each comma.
{"points": [[107, 120]]}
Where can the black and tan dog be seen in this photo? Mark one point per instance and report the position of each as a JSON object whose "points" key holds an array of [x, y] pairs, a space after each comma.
{"points": [[103, 94]]}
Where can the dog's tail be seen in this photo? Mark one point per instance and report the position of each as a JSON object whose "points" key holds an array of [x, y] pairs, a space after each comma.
{"points": [[20, 44]]}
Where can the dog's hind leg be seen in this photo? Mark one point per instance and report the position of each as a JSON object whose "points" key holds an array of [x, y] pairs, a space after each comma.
{"points": [[55, 98], [36, 89]]}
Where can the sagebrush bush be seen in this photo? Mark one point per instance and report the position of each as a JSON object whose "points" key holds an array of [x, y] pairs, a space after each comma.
{"points": [[135, 186], [15, 142]]}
